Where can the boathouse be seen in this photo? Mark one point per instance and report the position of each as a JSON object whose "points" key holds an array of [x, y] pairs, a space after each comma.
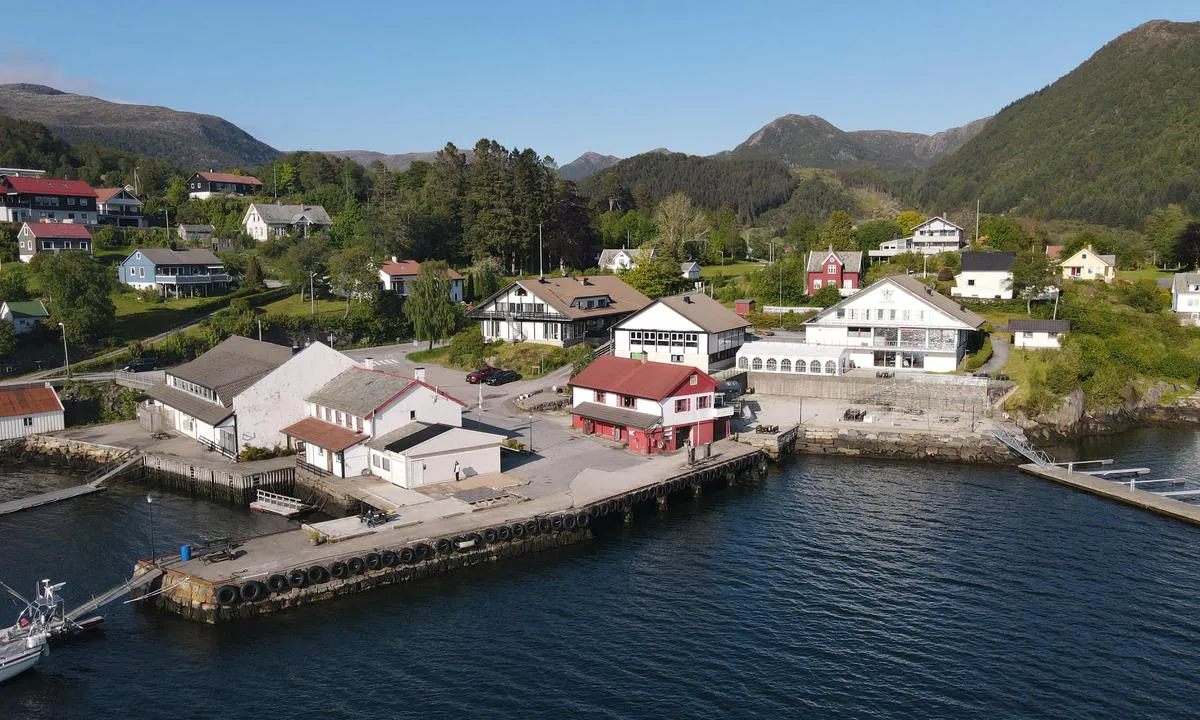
{"points": [[28, 410]]}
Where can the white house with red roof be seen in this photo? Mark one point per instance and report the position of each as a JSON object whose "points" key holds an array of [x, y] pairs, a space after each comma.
{"points": [[35, 199], [398, 275], [119, 206], [357, 405], [204, 185], [28, 410], [651, 407], [38, 237]]}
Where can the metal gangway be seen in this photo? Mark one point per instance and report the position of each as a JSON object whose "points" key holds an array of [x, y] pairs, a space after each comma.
{"points": [[1023, 448], [138, 580], [278, 504]]}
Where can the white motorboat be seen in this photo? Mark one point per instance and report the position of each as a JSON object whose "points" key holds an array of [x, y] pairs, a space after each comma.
{"points": [[28, 641], [21, 653]]}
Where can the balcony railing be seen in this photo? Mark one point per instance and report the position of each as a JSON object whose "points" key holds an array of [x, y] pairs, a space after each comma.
{"points": [[527, 316], [191, 279]]}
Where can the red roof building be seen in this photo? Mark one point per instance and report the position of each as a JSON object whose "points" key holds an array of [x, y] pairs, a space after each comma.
{"points": [[37, 237], [650, 407], [29, 409], [842, 269], [31, 199]]}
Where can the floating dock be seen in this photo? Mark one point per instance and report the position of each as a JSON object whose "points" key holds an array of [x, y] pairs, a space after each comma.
{"points": [[275, 572], [1161, 503]]}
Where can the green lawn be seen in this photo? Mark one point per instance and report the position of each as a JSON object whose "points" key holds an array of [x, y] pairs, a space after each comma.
{"points": [[731, 270], [137, 319], [1149, 273], [293, 305]]}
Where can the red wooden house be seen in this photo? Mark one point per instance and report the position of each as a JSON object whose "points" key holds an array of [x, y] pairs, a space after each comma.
{"points": [[651, 407], [842, 269]]}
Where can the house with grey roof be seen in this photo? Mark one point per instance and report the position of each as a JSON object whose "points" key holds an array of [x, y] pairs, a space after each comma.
{"points": [[1087, 264], [898, 323], [359, 404], [197, 234], [689, 329], [421, 453], [1185, 297], [841, 268], [177, 273], [1043, 334], [266, 220], [618, 259]]}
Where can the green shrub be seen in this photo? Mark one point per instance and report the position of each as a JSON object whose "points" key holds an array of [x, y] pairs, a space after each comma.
{"points": [[467, 348], [979, 358]]}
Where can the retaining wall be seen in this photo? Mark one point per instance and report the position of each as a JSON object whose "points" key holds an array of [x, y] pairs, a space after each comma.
{"points": [[972, 448]]}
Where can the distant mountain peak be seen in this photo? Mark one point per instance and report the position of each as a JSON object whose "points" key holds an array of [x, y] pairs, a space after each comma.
{"points": [[33, 89], [586, 164]]}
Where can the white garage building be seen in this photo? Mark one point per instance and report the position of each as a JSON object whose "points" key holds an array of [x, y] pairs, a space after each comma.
{"points": [[426, 454]]}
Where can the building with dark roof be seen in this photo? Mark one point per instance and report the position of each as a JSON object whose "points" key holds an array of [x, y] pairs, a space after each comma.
{"points": [[263, 221], [51, 237], [984, 275], [649, 406], [561, 311], [1045, 334], [689, 329], [898, 322], [177, 273], [204, 185]]}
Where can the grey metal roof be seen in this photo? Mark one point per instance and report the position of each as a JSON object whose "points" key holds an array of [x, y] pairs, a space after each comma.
{"points": [[918, 289], [164, 256], [1182, 281], [1054, 326], [561, 293], [233, 366], [199, 408], [359, 391], [292, 214], [197, 228], [637, 253], [851, 259], [987, 261], [408, 436], [1110, 259], [710, 315], [616, 415]]}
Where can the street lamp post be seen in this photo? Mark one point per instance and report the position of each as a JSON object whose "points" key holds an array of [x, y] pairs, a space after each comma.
{"points": [[150, 502], [312, 297], [66, 356], [530, 432]]}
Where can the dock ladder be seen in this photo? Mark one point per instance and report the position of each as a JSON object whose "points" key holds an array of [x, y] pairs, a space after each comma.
{"points": [[1023, 448]]}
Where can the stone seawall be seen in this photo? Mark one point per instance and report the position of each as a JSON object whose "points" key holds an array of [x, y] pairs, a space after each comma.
{"points": [[894, 445], [60, 452]]}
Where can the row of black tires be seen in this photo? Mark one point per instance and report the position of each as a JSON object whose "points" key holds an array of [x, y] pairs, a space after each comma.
{"points": [[255, 590]]}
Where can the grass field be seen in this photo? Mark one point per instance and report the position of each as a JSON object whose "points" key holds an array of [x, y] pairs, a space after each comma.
{"points": [[293, 305], [136, 319], [730, 270], [1142, 274]]}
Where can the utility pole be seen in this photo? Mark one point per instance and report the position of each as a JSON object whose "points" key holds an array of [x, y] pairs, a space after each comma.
{"points": [[66, 357], [167, 219], [541, 271], [311, 295], [530, 432], [976, 221]]}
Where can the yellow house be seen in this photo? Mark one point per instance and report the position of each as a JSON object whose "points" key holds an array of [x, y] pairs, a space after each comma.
{"points": [[1087, 264]]}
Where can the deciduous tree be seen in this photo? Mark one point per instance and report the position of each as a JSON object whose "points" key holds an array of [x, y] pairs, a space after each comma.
{"points": [[679, 225], [908, 220], [656, 279], [78, 289], [428, 305], [353, 273], [838, 231]]}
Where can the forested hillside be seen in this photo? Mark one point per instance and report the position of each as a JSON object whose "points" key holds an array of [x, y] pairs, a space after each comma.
{"points": [[1110, 141], [750, 187]]}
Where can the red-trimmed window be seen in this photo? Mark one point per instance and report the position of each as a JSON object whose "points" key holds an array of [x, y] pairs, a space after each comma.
{"points": [[683, 404], [703, 402]]}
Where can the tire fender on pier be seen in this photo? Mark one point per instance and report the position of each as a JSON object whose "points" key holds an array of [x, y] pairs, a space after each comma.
{"points": [[318, 574], [569, 522], [517, 530], [545, 525], [228, 595], [356, 565], [278, 583], [445, 546], [297, 578], [389, 558], [252, 591], [583, 520], [504, 533], [491, 535], [408, 555], [373, 561], [339, 570]]}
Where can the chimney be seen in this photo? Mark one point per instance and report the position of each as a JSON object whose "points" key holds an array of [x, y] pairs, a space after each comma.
{"points": [[369, 363], [394, 259], [419, 373]]}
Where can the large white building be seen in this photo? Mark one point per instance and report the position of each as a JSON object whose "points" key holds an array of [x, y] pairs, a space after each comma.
{"points": [[899, 322], [986, 276], [1185, 297], [689, 329], [932, 237], [28, 410], [240, 393], [264, 220], [358, 405], [560, 311]]}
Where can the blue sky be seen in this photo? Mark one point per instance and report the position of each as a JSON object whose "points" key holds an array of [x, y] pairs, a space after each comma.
{"points": [[615, 77]]}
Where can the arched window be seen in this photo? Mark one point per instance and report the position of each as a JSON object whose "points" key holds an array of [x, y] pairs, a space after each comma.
{"points": [[801, 366], [785, 365], [814, 367], [743, 363], [771, 364], [757, 364], [830, 367]]}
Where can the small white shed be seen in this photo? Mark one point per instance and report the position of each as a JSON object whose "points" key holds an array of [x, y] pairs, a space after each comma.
{"points": [[426, 454], [28, 410]]}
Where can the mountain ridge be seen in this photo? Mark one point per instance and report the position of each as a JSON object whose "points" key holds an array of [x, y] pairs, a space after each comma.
{"points": [[188, 138]]}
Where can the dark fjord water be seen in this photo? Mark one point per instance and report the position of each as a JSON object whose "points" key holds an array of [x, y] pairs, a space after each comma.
{"points": [[832, 588]]}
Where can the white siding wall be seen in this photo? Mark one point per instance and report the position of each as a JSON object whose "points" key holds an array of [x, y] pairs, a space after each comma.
{"points": [[15, 427], [527, 331], [277, 400], [439, 467], [1036, 340], [428, 406], [987, 285]]}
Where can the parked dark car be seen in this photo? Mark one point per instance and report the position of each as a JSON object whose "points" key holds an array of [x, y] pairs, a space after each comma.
{"points": [[501, 377], [729, 388], [141, 365], [480, 374]]}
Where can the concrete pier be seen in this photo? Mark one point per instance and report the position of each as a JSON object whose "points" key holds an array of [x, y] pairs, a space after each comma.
{"points": [[1154, 502], [275, 572]]}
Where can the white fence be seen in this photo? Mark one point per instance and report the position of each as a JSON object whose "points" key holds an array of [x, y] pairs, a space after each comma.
{"points": [[787, 310]]}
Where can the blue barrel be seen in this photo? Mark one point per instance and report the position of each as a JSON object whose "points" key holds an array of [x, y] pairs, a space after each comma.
{"points": [[185, 552]]}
